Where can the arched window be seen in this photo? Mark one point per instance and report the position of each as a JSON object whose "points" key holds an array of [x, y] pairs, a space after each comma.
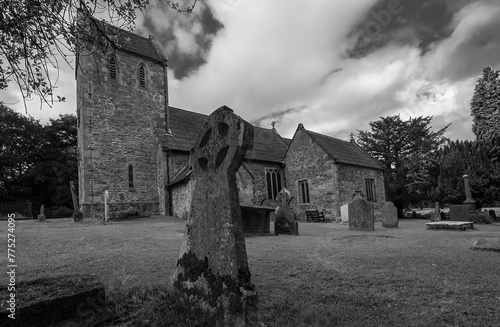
{"points": [[130, 176], [112, 67], [142, 76]]}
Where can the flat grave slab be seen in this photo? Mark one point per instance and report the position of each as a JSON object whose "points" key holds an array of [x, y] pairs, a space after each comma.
{"points": [[459, 225], [487, 244], [47, 301]]}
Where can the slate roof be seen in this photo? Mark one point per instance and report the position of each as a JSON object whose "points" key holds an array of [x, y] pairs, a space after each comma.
{"points": [[139, 45], [130, 42], [185, 127], [344, 152]]}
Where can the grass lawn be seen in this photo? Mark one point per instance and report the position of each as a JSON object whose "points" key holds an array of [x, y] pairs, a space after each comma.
{"points": [[327, 276]]}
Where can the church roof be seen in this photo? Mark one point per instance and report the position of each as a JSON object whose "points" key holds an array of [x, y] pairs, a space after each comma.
{"points": [[139, 45], [185, 127], [343, 152]]}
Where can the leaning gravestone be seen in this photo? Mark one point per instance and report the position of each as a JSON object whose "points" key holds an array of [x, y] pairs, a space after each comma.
{"points": [[389, 215], [361, 215], [41, 217], [212, 277], [285, 222]]}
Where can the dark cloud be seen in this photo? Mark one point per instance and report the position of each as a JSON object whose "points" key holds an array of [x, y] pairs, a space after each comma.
{"points": [[418, 23], [182, 62], [480, 47]]}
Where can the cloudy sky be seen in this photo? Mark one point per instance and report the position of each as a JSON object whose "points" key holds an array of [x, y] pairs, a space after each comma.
{"points": [[333, 65]]}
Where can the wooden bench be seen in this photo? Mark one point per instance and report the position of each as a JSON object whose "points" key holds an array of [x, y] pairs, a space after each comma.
{"points": [[315, 215]]}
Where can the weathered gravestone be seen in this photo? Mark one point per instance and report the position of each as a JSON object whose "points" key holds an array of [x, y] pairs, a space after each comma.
{"points": [[389, 215], [212, 277], [460, 212], [344, 213], [41, 216], [361, 215], [285, 222], [492, 214]]}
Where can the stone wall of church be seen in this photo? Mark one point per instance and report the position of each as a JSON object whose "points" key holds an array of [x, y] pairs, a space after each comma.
{"points": [[353, 178], [118, 126], [177, 160], [330, 185], [258, 171], [307, 162]]}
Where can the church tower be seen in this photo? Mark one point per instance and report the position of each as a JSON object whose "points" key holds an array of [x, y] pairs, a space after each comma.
{"points": [[122, 110]]}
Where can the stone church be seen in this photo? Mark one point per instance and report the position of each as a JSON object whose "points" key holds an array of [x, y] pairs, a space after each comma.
{"points": [[132, 144]]}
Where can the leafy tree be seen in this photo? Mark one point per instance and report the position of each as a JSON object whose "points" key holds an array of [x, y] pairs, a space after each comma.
{"points": [[485, 106], [36, 34], [37, 162], [409, 150], [20, 142], [57, 163], [473, 158]]}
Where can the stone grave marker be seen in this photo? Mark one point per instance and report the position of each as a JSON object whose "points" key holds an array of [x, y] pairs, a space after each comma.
{"points": [[460, 212], [487, 244], [344, 213], [361, 215], [285, 222], [492, 215], [41, 216], [389, 215], [212, 278]]}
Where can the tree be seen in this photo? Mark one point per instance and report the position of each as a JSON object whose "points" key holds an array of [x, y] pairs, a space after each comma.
{"points": [[409, 150], [485, 106], [20, 142], [37, 162], [473, 158], [36, 34]]}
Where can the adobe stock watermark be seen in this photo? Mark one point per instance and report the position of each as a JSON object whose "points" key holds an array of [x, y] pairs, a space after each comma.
{"points": [[380, 19]]}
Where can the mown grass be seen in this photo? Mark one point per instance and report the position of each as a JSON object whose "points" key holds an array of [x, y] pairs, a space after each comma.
{"points": [[327, 276]]}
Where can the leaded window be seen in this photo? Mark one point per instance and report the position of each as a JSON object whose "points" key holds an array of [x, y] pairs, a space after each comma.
{"points": [[142, 76], [304, 192], [370, 190], [112, 67], [130, 176], [273, 180]]}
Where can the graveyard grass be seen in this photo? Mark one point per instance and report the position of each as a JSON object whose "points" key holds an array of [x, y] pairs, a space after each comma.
{"points": [[327, 276]]}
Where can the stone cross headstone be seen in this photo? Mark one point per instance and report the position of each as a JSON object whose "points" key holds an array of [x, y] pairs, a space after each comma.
{"points": [[285, 222], [41, 216], [468, 195], [389, 215], [361, 215], [212, 276]]}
